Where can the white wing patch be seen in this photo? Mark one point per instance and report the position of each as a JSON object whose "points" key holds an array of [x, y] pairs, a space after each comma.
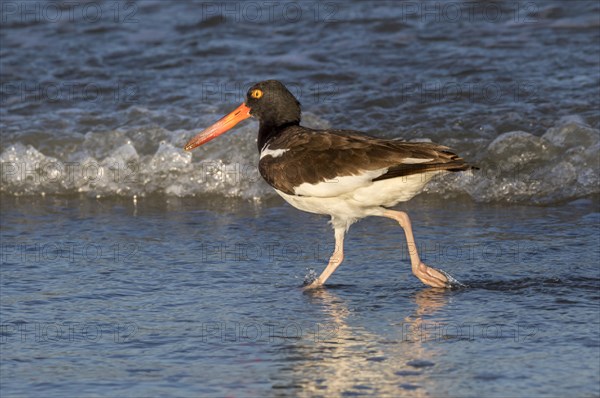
{"points": [[415, 160], [338, 186], [272, 152]]}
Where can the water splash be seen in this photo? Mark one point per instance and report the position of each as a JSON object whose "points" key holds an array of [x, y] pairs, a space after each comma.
{"points": [[310, 277], [452, 283]]}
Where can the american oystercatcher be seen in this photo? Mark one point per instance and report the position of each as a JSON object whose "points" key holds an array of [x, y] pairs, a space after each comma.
{"points": [[341, 173]]}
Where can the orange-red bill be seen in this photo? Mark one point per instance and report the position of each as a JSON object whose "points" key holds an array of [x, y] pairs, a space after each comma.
{"points": [[225, 123]]}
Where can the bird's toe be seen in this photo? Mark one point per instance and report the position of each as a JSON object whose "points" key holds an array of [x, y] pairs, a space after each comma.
{"points": [[431, 276]]}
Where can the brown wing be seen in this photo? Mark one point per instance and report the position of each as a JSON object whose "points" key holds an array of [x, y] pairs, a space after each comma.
{"points": [[314, 156]]}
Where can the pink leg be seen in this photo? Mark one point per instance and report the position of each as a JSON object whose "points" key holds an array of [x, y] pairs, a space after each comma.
{"points": [[427, 275], [336, 259]]}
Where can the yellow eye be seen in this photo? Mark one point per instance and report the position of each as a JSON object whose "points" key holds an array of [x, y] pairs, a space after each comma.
{"points": [[256, 93]]}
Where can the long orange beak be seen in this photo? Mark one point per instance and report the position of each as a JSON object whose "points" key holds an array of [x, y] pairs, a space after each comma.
{"points": [[225, 123]]}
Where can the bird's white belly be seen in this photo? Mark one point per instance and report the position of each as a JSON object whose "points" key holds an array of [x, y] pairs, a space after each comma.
{"points": [[364, 201], [392, 191]]}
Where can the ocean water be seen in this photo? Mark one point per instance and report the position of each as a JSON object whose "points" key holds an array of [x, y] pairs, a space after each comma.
{"points": [[132, 268]]}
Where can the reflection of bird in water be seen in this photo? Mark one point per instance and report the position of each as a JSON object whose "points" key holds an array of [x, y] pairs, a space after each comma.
{"points": [[347, 358], [417, 330], [429, 301]]}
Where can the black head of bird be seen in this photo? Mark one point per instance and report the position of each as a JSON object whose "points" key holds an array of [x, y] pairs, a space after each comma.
{"points": [[268, 101]]}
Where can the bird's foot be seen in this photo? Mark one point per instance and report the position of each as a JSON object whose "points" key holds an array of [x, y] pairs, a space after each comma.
{"points": [[435, 277], [313, 285]]}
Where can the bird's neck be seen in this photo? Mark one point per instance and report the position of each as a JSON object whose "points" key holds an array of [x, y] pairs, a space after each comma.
{"points": [[267, 131]]}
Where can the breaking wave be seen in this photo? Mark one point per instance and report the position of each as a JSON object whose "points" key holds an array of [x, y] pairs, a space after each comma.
{"points": [[515, 167]]}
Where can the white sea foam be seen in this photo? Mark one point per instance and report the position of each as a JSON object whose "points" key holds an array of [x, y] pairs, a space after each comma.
{"points": [[514, 167]]}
